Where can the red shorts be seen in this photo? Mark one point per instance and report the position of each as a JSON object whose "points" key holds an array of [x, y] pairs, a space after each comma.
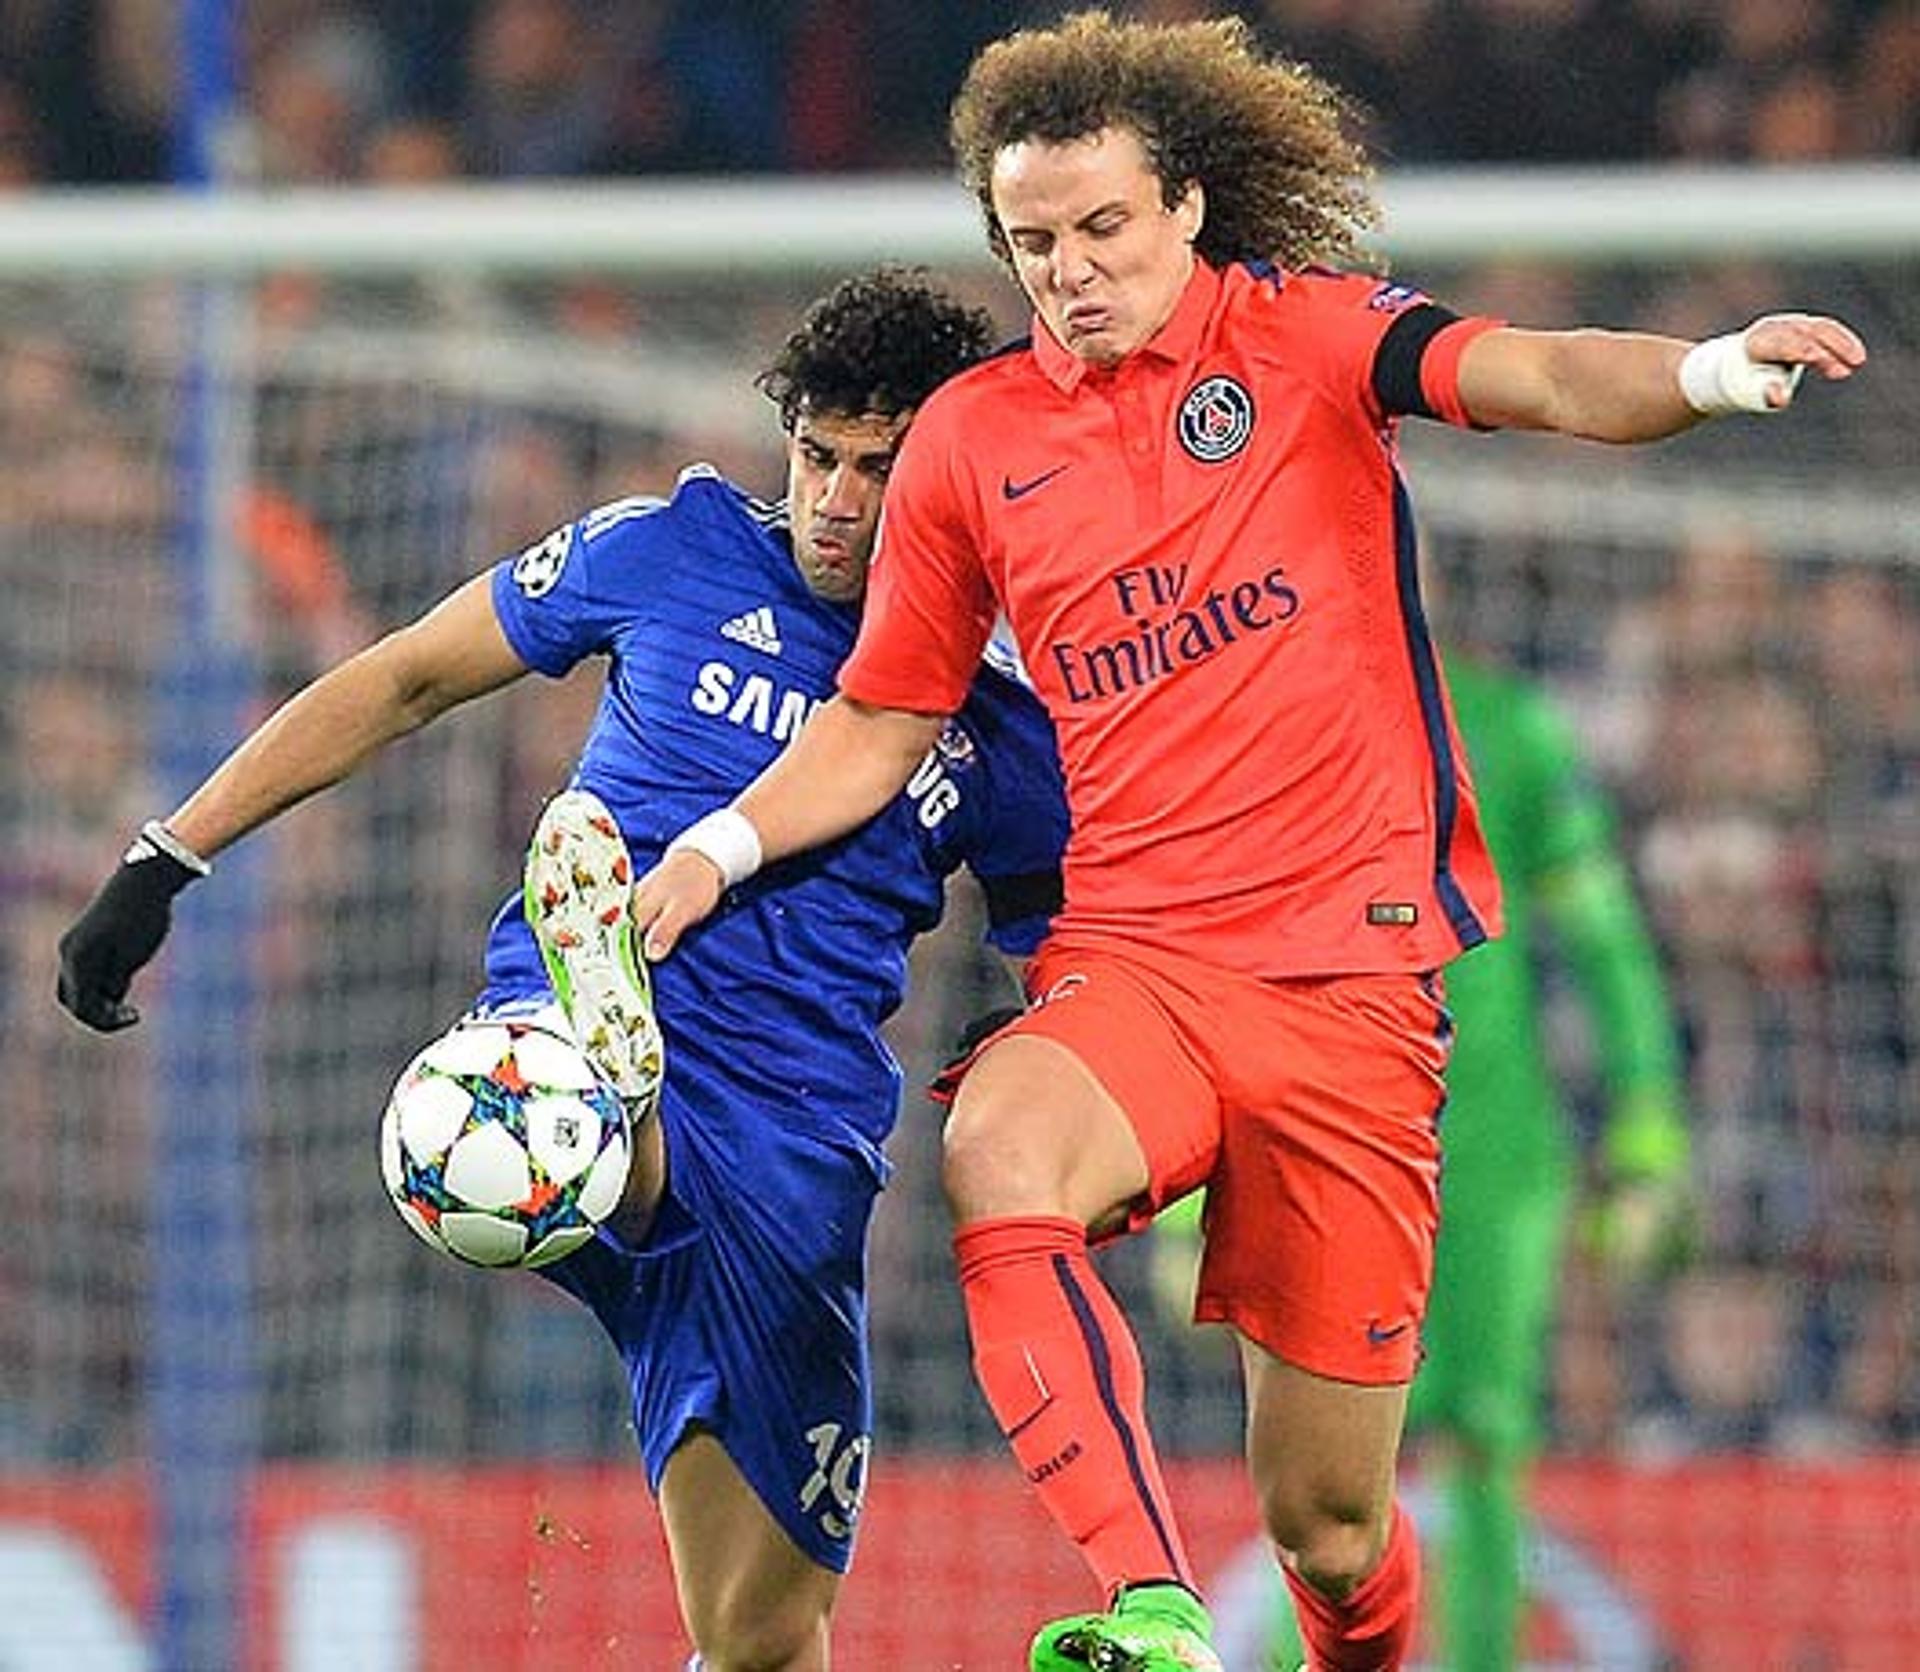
{"points": [[1309, 1108]]}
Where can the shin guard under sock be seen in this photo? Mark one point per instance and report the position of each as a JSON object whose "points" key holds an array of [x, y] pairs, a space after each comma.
{"points": [[1059, 1366]]}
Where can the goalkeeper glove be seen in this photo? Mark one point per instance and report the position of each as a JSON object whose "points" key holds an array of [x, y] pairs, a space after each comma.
{"points": [[1643, 1222], [945, 1084], [122, 927]]}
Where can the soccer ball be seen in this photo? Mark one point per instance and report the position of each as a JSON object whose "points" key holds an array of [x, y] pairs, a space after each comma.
{"points": [[502, 1145]]}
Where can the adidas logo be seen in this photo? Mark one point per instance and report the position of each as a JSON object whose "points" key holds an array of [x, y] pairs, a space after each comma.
{"points": [[754, 628]]}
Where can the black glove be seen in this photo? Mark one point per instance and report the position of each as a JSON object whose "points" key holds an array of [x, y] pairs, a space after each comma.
{"points": [[942, 1087], [122, 928]]}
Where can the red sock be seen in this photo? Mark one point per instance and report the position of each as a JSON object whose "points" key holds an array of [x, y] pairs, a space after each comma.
{"points": [[1372, 1631], [1059, 1366]]}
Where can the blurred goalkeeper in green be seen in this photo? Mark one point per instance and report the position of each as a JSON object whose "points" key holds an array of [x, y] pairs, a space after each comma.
{"points": [[1511, 1158]]}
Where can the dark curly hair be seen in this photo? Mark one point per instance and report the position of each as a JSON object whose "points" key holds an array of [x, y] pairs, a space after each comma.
{"points": [[878, 343], [1268, 141]]}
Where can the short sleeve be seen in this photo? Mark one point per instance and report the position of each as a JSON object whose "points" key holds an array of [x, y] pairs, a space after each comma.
{"points": [[929, 607], [1387, 344], [552, 600]]}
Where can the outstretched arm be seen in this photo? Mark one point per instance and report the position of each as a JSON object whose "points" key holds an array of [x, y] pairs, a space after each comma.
{"points": [[848, 762], [1630, 386], [330, 728], [318, 737]]}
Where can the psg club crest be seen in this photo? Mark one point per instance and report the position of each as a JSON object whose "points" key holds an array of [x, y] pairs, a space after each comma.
{"points": [[1215, 419]]}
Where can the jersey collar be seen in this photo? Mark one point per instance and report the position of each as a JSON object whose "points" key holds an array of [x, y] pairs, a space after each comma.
{"points": [[1175, 341]]}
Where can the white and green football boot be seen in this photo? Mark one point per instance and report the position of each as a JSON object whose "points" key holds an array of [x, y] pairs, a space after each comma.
{"points": [[579, 876]]}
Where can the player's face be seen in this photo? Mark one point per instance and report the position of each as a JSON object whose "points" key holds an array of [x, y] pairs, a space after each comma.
{"points": [[837, 470], [1099, 254]]}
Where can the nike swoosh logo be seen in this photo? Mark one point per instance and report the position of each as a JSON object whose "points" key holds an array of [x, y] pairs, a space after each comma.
{"points": [[1378, 1335], [1010, 489]]}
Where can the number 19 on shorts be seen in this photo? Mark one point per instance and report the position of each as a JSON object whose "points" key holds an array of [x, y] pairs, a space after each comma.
{"points": [[839, 1478]]}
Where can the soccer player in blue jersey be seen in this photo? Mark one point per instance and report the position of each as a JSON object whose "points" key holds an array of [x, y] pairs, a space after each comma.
{"points": [[732, 1276]]}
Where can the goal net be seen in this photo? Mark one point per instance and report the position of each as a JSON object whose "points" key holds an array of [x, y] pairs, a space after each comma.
{"points": [[247, 1420]]}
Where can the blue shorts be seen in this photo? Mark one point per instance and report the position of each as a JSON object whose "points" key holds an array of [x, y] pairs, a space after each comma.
{"points": [[744, 1313]]}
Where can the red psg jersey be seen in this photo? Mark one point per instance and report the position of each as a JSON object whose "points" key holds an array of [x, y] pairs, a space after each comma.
{"points": [[1206, 556]]}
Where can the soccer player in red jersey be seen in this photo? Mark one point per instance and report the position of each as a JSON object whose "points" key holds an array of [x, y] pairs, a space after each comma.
{"points": [[1183, 495]]}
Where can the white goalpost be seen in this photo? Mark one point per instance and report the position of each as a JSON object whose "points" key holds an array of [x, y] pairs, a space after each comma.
{"points": [[746, 225], [240, 434]]}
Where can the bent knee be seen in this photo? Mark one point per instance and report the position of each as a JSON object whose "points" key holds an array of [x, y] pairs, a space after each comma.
{"points": [[1033, 1132], [1333, 1547], [747, 1636], [988, 1167]]}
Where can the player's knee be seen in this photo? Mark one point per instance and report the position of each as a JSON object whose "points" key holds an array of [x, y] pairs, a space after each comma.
{"points": [[746, 1634], [1332, 1544], [1024, 1140], [988, 1167]]}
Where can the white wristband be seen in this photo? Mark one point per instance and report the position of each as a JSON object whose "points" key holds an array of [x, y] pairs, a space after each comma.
{"points": [[726, 839], [159, 839], [1719, 376]]}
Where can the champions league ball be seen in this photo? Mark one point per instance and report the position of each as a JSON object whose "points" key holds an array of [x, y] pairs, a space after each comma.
{"points": [[502, 1145]]}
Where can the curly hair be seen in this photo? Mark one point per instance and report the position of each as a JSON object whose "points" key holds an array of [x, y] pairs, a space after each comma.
{"points": [[1268, 141], [878, 343]]}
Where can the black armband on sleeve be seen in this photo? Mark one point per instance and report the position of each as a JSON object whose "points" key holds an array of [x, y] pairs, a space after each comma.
{"points": [[1030, 894], [1396, 362]]}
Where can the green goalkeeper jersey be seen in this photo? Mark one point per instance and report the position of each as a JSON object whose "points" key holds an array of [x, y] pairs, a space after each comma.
{"points": [[1552, 835]]}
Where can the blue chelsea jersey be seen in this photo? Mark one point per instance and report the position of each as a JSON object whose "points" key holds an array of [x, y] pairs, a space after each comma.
{"points": [[717, 653]]}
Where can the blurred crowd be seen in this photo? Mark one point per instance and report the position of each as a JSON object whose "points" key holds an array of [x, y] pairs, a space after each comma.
{"points": [[1750, 689], [375, 90], [1752, 698]]}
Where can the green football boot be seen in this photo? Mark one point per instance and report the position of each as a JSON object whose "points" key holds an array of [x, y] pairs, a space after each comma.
{"points": [[1153, 1628], [578, 880]]}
